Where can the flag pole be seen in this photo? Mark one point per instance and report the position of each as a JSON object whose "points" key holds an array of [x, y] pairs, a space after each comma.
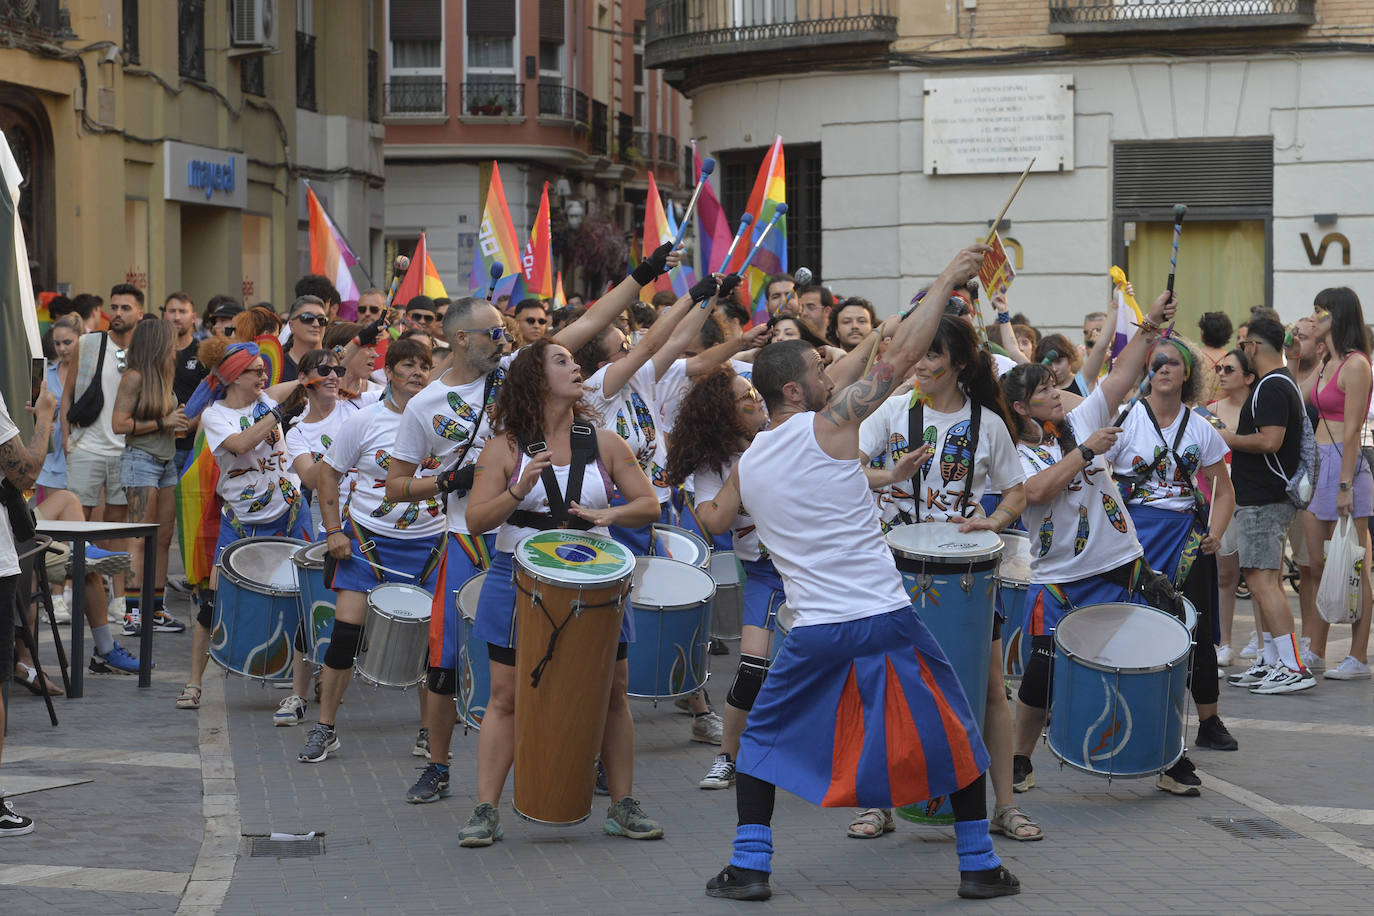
{"points": [[1007, 206]]}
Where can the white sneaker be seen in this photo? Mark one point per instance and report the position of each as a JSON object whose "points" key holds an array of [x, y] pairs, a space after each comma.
{"points": [[1350, 669], [115, 610], [60, 610], [291, 711], [708, 728], [1251, 649], [1225, 656], [1250, 676], [1285, 680]]}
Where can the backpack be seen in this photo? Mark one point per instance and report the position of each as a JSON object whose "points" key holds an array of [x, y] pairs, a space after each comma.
{"points": [[1303, 483]]}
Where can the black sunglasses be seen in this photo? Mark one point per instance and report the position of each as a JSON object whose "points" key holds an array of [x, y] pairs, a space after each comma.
{"points": [[324, 371], [319, 319], [369, 310]]}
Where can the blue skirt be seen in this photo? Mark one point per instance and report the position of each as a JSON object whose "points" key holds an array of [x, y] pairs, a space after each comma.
{"points": [[496, 606], [415, 561], [637, 539], [1167, 538], [865, 713]]}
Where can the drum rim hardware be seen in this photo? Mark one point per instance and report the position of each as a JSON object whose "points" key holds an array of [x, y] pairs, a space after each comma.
{"points": [[257, 585]]}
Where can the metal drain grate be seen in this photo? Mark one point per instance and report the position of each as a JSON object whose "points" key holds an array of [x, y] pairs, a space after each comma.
{"points": [[1253, 828], [261, 846]]}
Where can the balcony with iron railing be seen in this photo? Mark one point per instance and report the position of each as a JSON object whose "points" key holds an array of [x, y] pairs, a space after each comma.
{"points": [[493, 99], [601, 129], [685, 32], [1096, 16], [416, 96], [47, 20], [563, 103], [667, 150]]}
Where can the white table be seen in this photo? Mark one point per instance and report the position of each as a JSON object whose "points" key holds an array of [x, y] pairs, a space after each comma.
{"points": [[78, 534]]}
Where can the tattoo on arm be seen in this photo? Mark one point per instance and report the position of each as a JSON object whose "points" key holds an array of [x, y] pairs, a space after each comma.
{"points": [[863, 397], [17, 464]]}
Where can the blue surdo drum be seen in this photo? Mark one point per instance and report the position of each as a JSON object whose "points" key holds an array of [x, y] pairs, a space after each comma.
{"points": [[1120, 690]]}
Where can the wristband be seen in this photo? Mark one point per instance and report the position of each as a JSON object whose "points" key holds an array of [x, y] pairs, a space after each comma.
{"points": [[1004, 318], [276, 414], [1087, 453], [329, 531]]}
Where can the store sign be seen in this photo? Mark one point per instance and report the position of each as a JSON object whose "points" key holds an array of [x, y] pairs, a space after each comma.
{"points": [[998, 124], [203, 175]]}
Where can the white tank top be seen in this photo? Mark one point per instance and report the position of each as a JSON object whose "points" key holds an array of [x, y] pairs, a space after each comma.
{"points": [[596, 494], [824, 538]]}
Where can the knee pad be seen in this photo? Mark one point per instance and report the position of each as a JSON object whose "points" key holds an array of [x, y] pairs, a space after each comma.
{"points": [[1036, 681], [343, 646], [748, 682], [299, 641], [443, 681], [206, 615]]}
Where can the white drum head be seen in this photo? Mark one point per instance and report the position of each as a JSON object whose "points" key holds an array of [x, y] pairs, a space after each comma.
{"points": [[468, 595], [660, 583], [265, 562], [402, 601], [311, 556], [1014, 565], [679, 544], [725, 569], [943, 542], [1129, 636]]}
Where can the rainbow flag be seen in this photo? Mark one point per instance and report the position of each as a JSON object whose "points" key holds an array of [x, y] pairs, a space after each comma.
{"points": [[198, 512], [770, 189], [713, 229], [269, 348], [330, 255], [421, 278], [656, 232], [536, 266], [495, 241], [559, 298], [1128, 315]]}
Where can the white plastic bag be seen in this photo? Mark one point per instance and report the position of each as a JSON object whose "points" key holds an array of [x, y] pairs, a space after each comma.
{"points": [[1338, 595]]}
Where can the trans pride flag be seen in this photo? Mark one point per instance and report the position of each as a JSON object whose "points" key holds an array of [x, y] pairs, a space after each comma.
{"points": [[713, 229], [495, 241], [770, 189], [330, 255]]}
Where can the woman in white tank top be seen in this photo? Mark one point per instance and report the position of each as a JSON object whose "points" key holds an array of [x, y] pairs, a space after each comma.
{"points": [[541, 401]]}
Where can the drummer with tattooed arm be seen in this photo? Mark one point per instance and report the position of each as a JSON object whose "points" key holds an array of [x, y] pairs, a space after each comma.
{"points": [[440, 437], [814, 723]]}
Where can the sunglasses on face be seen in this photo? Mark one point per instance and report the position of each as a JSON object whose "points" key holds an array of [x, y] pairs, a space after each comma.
{"points": [[750, 394], [260, 370], [496, 333], [370, 310], [313, 318], [326, 371], [623, 348], [532, 320], [1226, 370], [421, 317]]}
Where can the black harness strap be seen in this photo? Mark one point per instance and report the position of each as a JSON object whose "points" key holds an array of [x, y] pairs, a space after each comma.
{"points": [[584, 452], [916, 437]]}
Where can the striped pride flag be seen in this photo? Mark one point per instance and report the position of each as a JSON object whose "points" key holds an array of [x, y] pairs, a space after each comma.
{"points": [[198, 512], [495, 241], [330, 255], [770, 189]]}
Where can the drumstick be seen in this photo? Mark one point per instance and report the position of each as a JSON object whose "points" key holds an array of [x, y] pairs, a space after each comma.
{"points": [[401, 265], [1007, 206], [708, 165]]}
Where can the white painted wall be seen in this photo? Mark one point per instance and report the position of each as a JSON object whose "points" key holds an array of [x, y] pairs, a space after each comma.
{"points": [[888, 227]]}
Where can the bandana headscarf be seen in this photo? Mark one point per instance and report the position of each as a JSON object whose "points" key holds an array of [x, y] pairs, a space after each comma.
{"points": [[1184, 352], [213, 387]]}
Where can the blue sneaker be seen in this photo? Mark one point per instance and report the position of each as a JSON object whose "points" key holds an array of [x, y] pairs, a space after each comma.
{"points": [[119, 661], [106, 562]]}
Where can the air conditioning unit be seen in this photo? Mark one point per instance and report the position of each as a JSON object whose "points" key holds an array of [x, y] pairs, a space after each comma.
{"points": [[253, 26]]}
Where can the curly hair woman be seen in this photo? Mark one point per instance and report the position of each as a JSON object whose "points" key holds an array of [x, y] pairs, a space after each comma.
{"points": [[719, 417], [541, 402]]}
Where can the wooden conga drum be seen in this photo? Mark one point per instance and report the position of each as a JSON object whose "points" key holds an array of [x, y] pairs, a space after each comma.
{"points": [[570, 597]]}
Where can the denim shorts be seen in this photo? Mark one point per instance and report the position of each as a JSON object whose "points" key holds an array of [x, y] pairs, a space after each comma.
{"points": [[137, 468], [1261, 531]]}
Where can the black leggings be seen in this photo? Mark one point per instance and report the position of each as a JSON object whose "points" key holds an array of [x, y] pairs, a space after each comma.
{"points": [[754, 800], [1201, 589]]}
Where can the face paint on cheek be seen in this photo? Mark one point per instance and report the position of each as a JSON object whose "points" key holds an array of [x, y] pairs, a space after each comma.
{"points": [[939, 373]]}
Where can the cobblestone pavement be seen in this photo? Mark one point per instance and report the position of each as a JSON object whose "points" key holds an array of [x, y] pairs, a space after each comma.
{"points": [[161, 824]]}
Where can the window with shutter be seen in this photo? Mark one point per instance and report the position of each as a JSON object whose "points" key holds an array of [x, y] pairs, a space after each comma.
{"points": [[491, 86], [415, 33]]}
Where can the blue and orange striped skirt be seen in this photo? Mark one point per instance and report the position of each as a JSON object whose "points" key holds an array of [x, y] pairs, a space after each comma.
{"points": [[864, 713]]}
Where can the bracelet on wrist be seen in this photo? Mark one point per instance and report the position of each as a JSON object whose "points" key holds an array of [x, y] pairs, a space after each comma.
{"points": [[329, 531], [514, 496], [1004, 318]]}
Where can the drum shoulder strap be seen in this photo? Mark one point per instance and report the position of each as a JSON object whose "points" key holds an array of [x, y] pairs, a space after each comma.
{"points": [[584, 452], [916, 434]]}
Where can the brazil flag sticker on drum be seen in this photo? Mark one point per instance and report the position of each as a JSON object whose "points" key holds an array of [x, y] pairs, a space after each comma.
{"points": [[574, 557]]}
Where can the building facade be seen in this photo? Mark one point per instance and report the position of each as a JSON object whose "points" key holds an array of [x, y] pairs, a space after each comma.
{"points": [[920, 114], [554, 91], [165, 143]]}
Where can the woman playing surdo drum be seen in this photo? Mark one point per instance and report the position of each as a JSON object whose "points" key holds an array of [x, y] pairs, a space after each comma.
{"points": [[382, 541], [541, 402], [1083, 543]]}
